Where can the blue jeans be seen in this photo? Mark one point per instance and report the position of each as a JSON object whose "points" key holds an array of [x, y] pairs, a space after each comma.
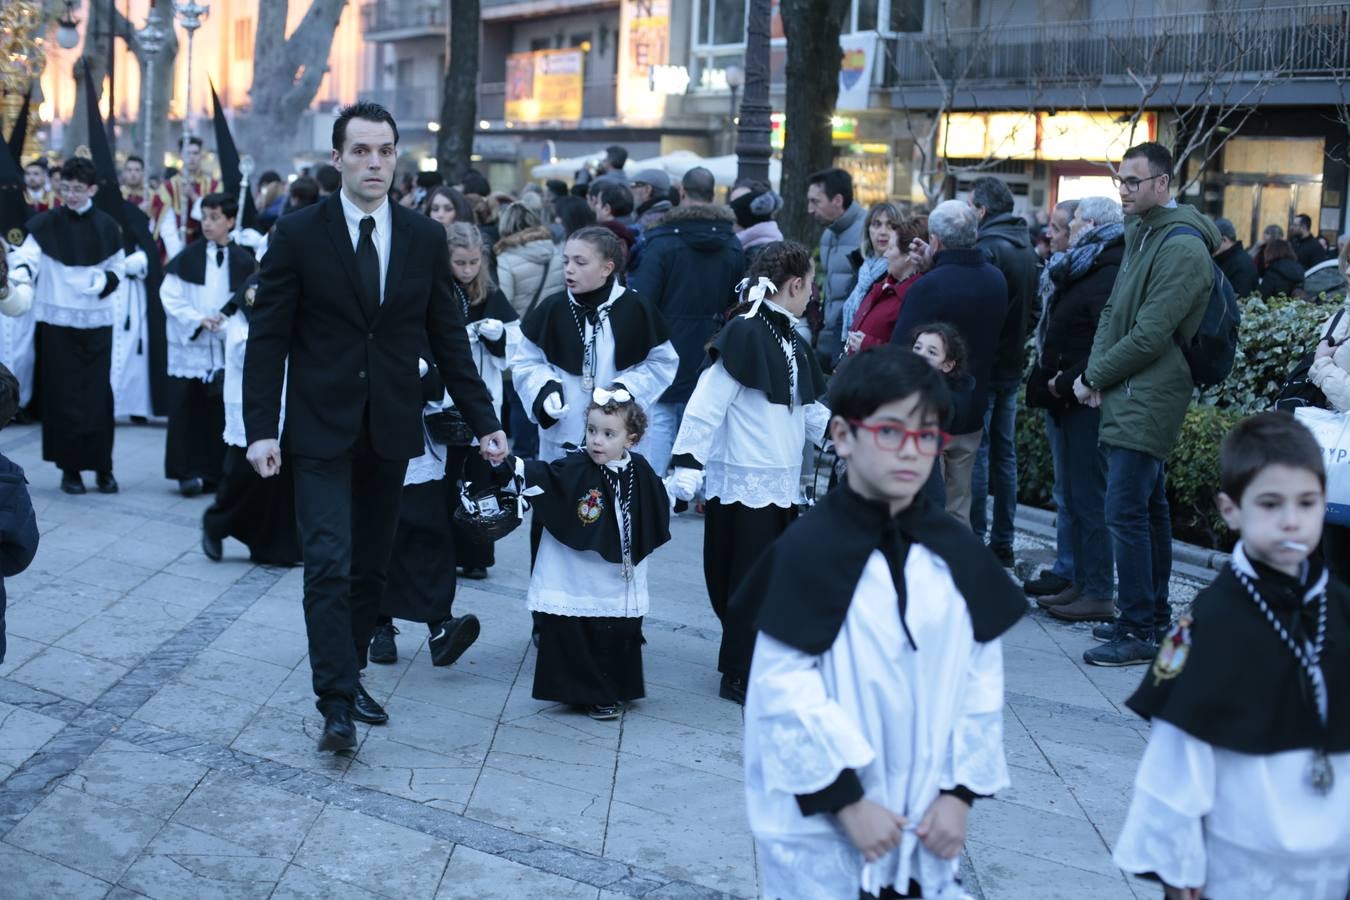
{"points": [[1141, 535], [1084, 492], [663, 424], [1000, 440], [1063, 566]]}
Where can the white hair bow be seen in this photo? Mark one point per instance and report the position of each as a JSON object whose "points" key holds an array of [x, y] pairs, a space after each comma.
{"points": [[602, 397], [755, 293]]}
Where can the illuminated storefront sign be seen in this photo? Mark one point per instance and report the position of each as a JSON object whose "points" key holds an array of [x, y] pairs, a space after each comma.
{"points": [[544, 85], [1092, 136], [644, 43]]}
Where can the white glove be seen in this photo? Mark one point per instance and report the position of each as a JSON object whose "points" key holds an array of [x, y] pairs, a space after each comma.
{"points": [[492, 329], [98, 280], [422, 367], [684, 483], [249, 237], [554, 405], [18, 301], [137, 264]]}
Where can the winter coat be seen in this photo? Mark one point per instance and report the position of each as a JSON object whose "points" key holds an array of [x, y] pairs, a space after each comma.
{"points": [[690, 266], [1075, 308], [880, 308], [870, 271], [968, 292], [1283, 276], [1162, 290], [756, 237], [840, 238], [18, 531], [1240, 270], [1332, 374], [521, 258], [1006, 243], [1308, 250]]}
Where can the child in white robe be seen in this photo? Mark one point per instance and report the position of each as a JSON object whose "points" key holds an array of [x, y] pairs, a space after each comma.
{"points": [[874, 715], [1243, 792]]}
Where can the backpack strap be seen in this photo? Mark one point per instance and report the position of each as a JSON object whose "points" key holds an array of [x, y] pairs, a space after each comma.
{"points": [[1193, 232]]}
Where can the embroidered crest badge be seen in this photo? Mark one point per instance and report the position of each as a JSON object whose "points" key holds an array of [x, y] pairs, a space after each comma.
{"points": [[591, 506], [1172, 652]]}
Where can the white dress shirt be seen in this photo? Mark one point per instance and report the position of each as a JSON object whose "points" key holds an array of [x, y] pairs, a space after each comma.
{"points": [[383, 235]]}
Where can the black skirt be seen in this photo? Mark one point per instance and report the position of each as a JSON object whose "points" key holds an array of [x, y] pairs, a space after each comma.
{"points": [[194, 447], [77, 397], [421, 585], [258, 511], [588, 661]]}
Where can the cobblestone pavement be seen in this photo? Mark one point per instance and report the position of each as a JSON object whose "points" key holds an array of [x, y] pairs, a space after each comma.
{"points": [[157, 736]]}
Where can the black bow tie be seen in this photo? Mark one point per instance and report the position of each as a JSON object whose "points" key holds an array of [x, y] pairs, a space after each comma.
{"points": [[220, 256]]}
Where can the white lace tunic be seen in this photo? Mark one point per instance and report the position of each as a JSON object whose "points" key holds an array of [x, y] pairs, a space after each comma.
{"points": [[58, 298], [910, 723]]}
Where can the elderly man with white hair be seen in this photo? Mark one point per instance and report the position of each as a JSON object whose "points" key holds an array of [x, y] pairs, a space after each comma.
{"points": [[959, 287]]}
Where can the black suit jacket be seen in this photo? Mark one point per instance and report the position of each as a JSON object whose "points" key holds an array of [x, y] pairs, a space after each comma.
{"points": [[308, 308]]}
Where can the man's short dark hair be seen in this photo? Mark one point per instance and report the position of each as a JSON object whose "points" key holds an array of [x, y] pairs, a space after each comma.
{"points": [[475, 182], [329, 178], [38, 163], [992, 195], [189, 139], [429, 180], [271, 176], [866, 382], [556, 187], [77, 168], [1266, 439], [228, 204], [1159, 157], [834, 182], [1304, 220], [304, 191], [699, 184], [133, 158], [613, 193], [616, 155], [368, 110]]}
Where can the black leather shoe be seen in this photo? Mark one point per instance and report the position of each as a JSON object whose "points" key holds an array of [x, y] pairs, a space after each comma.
{"points": [[473, 573], [383, 650], [72, 483], [106, 483], [189, 487], [338, 731], [452, 638], [732, 689], [365, 709], [212, 546]]}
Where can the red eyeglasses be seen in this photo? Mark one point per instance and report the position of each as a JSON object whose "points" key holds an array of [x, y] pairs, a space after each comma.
{"points": [[927, 441]]}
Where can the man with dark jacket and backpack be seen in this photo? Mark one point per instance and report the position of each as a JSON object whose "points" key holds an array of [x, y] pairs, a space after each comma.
{"points": [[690, 266], [1141, 379], [1007, 244], [18, 524]]}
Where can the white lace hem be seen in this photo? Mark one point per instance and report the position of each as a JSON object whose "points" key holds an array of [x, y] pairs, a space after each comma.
{"points": [[68, 317], [753, 486]]}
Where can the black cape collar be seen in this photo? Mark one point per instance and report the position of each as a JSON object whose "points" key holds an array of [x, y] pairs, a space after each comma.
{"points": [[751, 353], [636, 325], [577, 505], [807, 578], [76, 239], [190, 264], [1238, 686]]}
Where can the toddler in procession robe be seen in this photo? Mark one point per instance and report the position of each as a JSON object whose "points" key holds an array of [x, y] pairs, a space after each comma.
{"points": [[604, 511], [874, 715], [1243, 792]]}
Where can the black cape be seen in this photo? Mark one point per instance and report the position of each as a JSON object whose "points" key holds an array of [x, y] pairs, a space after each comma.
{"points": [[578, 501], [190, 264], [752, 354], [1239, 686], [807, 577], [637, 327], [75, 239]]}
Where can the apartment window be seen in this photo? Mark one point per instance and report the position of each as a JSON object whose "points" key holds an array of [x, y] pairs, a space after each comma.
{"points": [[865, 14], [721, 22], [541, 43], [906, 16], [243, 39]]}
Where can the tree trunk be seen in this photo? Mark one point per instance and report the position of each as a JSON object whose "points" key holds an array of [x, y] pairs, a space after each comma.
{"points": [[812, 29], [459, 94], [287, 73]]}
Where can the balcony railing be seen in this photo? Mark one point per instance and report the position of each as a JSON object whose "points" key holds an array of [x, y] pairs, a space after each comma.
{"points": [[1294, 41], [386, 19]]}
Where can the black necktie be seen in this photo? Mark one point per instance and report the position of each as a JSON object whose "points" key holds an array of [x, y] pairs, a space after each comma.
{"points": [[220, 256], [368, 262]]}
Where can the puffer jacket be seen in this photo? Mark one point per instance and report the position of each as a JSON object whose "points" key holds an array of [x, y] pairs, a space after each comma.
{"points": [[521, 258], [690, 266], [1007, 244], [840, 238], [1162, 290], [1332, 374]]}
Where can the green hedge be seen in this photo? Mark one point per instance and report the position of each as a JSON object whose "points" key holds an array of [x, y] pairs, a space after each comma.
{"points": [[1276, 333]]}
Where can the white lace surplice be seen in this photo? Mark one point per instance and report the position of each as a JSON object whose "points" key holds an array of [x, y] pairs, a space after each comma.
{"points": [[751, 449], [910, 723], [1244, 826]]}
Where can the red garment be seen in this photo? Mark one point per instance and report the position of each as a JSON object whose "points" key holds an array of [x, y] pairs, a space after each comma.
{"points": [[880, 309]]}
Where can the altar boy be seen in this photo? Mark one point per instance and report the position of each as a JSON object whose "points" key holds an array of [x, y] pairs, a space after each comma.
{"points": [[874, 716]]}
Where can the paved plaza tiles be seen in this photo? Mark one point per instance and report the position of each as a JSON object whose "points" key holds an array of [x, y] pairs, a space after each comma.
{"points": [[157, 736]]}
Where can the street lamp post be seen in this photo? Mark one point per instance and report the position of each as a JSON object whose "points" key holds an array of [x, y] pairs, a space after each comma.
{"points": [[191, 14], [752, 144], [735, 78], [151, 40]]}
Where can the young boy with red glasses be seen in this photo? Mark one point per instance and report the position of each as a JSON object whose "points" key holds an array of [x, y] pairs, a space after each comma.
{"points": [[875, 708]]}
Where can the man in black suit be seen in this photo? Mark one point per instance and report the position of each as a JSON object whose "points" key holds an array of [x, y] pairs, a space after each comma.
{"points": [[351, 290]]}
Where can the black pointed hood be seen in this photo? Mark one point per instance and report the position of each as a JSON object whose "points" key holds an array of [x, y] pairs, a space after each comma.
{"points": [[109, 196], [13, 211], [20, 132], [228, 155]]}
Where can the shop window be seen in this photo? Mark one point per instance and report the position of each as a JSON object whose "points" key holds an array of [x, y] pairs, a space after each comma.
{"points": [[721, 22]]}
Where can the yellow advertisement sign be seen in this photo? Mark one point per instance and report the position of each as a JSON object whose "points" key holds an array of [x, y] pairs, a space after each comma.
{"points": [[644, 43], [545, 85]]}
